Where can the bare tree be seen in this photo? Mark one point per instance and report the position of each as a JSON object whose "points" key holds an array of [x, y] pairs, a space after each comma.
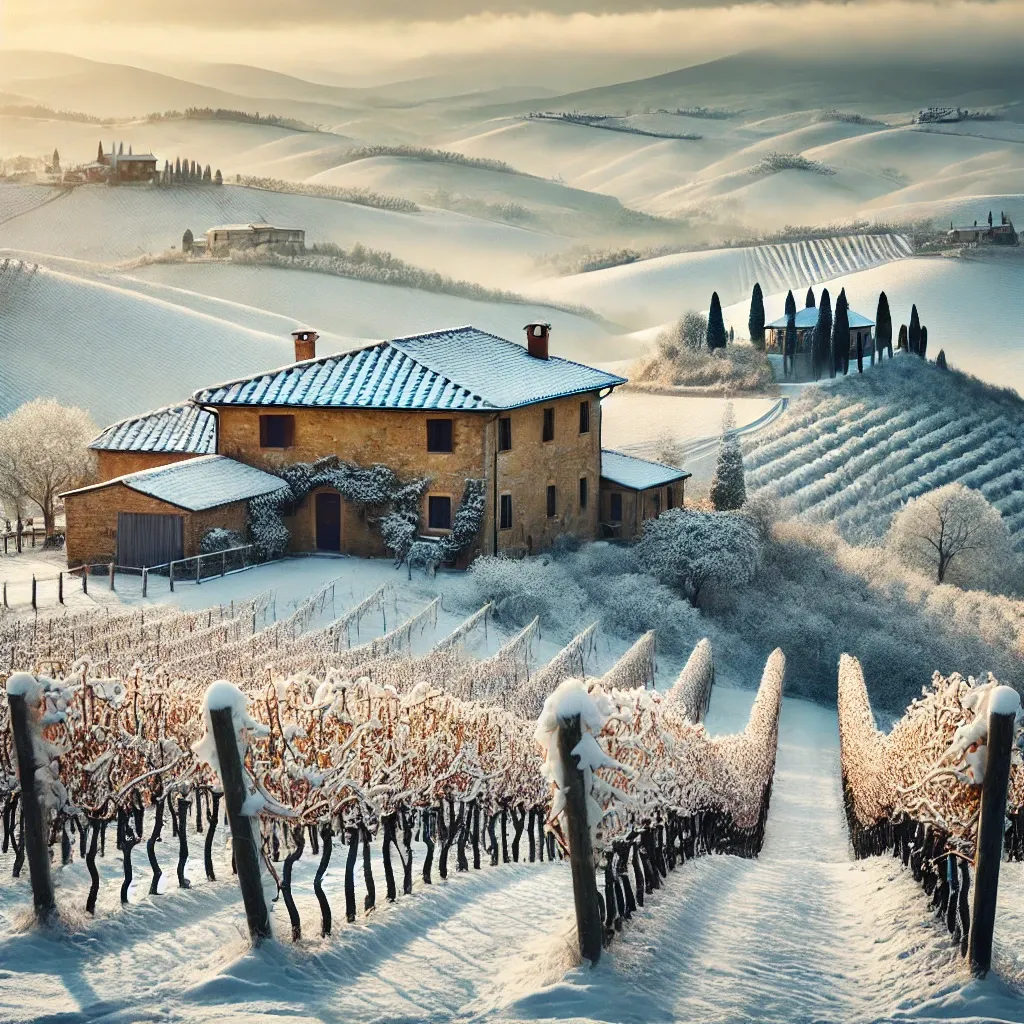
{"points": [[44, 451], [954, 534]]}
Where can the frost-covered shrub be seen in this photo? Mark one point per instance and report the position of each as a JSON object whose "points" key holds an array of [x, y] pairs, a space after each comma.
{"points": [[687, 549], [524, 588], [774, 162], [681, 359], [219, 539], [466, 523]]}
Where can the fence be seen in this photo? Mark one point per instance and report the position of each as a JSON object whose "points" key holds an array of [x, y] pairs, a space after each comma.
{"points": [[934, 792]]}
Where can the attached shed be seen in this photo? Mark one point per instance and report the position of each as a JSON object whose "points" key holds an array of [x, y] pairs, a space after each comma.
{"points": [[157, 515], [156, 438], [634, 490]]}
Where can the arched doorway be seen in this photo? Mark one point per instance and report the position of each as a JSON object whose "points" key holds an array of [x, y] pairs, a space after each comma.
{"points": [[328, 521]]}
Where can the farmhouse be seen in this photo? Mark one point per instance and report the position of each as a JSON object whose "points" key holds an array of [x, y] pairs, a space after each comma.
{"points": [[221, 240], [634, 490], [438, 410], [1002, 233], [119, 167]]}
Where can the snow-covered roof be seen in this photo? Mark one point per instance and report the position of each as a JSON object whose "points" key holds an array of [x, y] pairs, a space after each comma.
{"points": [[460, 368], [637, 474], [808, 317], [197, 484], [249, 227], [181, 429]]}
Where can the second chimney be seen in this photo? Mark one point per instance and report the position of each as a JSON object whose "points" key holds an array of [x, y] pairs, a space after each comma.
{"points": [[537, 340], [305, 345]]}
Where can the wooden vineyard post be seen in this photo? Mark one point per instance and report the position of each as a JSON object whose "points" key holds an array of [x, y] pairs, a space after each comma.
{"points": [[243, 842], [34, 816], [111, 571], [145, 580], [34, 606], [60, 588], [85, 579], [991, 824], [581, 852]]}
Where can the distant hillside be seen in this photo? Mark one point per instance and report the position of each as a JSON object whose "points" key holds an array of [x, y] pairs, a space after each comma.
{"points": [[851, 453], [772, 81]]}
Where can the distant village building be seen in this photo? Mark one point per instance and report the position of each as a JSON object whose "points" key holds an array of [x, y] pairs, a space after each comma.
{"points": [[221, 240], [806, 320], [1002, 233], [449, 406]]}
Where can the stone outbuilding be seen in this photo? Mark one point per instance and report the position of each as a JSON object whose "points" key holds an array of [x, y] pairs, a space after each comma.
{"points": [[634, 490], [222, 239], [154, 516]]}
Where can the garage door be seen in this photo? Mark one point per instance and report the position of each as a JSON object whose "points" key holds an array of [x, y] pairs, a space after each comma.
{"points": [[145, 539]]}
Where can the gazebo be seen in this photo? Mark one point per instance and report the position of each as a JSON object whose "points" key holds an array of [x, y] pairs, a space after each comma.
{"points": [[806, 320]]}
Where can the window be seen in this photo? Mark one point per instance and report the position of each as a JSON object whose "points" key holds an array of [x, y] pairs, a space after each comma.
{"points": [[584, 495], [584, 417], [615, 507], [505, 434], [549, 425], [439, 435], [551, 501], [505, 512], [439, 512], [277, 431], [670, 498]]}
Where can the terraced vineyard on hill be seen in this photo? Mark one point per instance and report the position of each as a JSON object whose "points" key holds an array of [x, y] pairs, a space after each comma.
{"points": [[854, 452]]}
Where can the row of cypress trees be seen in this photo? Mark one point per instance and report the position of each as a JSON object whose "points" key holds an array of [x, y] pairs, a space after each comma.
{"points": [[189, 172]]}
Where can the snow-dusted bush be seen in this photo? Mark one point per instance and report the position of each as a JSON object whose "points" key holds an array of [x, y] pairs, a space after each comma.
{"points": [[522, 589], [774, 162], [219, 539], [688, 549], [954, 535], [682, 359], [728, 489]]}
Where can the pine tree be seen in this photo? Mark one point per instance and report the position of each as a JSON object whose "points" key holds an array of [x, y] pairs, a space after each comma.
{"points": [[716, 325], [940, 359], [883, 326], [186, 240], [728, 487], [923, 350], [755, 322], [841, 335], [809, 300], [218, 178], [822, 340], [914, 334]]}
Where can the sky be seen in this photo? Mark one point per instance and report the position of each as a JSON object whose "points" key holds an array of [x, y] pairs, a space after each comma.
{"points": [[360, 35]]}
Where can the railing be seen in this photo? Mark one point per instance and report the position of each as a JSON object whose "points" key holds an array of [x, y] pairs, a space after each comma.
{"points": [[206, 566], [31, 532]]}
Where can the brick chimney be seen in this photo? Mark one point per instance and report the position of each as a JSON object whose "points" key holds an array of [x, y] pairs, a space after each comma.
{"points": [[537, 340], [305, 344]]}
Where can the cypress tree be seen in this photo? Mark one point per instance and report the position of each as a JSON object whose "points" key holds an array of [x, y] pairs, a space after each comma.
{"points": [[186, 240], [901, 342], [755, 322], [809, 300], [841, 334], [860, 354], [218, 178], [883, 326], [716, 336], [922, 351], [789, 351], [822, 340], [99, 153], [914, 334], [207, 176], [120, 150], [790, 303], [177, 168], [940, 359]]}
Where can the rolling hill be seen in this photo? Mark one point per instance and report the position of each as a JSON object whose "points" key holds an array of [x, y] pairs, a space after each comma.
{"points": [[853, 452]]}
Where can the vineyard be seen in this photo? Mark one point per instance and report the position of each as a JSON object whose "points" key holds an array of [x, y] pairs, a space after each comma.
{"points": [[927, 791], [853, 453], [159, 726]]}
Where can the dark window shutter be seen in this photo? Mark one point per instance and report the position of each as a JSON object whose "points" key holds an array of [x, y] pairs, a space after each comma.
{"points": [[551, 501]]}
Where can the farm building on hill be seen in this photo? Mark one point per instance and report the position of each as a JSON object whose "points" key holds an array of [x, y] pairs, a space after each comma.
{"points": [[806, 320], [1002, 233], [121, 168], [221, 240], [442, 409], [634, 490]]}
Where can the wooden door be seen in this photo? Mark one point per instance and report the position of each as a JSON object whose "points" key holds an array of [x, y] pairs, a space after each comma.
{"points": [[147, 539], [328, 521]]}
